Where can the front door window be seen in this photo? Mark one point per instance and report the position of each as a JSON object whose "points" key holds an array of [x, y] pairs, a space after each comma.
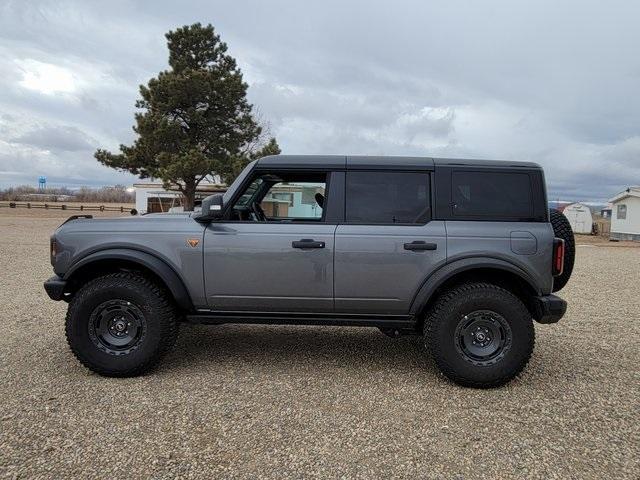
{"points": [[296, 200], [283, 197]]}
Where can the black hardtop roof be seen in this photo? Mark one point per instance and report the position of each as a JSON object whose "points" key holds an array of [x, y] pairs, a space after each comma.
{"points": [[355, 162]]}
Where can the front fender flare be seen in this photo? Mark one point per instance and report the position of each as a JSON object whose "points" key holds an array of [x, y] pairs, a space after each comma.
{"points": [[447, 271], [167, 274]]}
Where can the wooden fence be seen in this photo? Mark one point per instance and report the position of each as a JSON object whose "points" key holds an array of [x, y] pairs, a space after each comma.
{"points": [[602, 226], [66, 206]]}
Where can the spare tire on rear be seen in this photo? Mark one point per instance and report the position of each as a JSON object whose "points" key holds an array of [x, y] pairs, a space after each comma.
{"points": [[562, 229]]}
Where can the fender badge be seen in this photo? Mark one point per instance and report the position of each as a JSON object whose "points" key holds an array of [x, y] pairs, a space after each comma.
{"points": [[193, 242]]}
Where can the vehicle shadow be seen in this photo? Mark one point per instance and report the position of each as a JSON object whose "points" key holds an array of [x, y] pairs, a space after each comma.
{"points": [[295, 346]]}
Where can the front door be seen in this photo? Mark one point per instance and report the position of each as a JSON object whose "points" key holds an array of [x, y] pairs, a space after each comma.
{"points": [[275, 251]]}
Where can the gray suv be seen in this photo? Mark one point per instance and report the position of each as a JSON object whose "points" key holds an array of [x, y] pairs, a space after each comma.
{"points": [[465, 253]]}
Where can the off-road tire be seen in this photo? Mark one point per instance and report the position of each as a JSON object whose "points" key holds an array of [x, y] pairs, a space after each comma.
{"points": [[562, 229], [450, 311], [150, 301]]}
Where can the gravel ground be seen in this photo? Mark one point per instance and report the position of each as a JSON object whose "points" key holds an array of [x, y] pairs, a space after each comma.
{"points": [[239, 402]]}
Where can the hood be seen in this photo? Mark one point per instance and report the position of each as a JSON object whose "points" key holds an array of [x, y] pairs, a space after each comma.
{"points": [[137, 223], [163, 235]]}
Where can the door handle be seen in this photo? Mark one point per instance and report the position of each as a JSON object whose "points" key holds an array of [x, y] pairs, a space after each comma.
{"points": [[307, 243], [420, 245]]}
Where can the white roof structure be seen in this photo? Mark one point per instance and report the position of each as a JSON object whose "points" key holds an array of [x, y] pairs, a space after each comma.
{"points": [[153, 197], [629, 192]]}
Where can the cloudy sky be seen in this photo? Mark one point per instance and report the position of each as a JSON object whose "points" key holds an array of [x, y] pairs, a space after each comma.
{"points": [[556, 82]]}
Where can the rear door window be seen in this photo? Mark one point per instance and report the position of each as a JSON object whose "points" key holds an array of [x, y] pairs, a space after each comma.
{"points": [[387, 197], [499, 195]]}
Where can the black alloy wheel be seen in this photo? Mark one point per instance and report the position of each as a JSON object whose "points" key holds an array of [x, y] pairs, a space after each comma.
{"points": [[483, 337], [117, 327]]}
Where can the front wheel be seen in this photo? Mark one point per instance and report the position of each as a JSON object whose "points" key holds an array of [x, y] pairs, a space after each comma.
{"points": [[121, 324], [480, 335]]}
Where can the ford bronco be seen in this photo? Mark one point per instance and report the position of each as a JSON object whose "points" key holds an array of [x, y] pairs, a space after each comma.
{"points": [[465, 253]]}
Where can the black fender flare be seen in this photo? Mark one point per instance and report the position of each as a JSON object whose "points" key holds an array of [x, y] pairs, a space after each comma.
{"points": [[159, 267], [447, 271]]}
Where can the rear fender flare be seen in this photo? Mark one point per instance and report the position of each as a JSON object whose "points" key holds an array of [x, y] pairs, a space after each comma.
{"points": [[444, 273]]}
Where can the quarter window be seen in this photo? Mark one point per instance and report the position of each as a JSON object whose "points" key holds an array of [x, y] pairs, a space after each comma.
{"points": [[387, 197], [492, 194]]}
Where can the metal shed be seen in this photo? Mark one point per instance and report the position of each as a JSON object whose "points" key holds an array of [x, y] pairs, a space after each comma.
{"points": [[579, 216]]}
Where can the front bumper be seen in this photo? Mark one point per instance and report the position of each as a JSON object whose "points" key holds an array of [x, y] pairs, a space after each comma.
{"points": [[549, 308], [55, 288]]}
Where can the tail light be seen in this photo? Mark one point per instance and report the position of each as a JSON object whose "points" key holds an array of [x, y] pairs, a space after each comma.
{"points": [[53, 249], [558, 257]]}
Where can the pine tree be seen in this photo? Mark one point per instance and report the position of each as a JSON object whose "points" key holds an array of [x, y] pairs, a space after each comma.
{"points": [[195, 119]]}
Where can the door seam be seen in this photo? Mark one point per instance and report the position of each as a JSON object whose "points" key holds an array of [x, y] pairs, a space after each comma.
{"points": [[333, 267]]}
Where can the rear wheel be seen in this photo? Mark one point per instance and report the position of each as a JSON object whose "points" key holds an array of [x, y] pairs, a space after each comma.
{"points": [[562, 229], [480, 335], [121, 324]]}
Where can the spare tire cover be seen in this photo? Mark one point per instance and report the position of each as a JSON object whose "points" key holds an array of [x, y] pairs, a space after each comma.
{"points": [[562, 229]]}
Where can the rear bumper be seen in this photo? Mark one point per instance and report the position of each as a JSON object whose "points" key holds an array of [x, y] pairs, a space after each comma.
{"points": [[549, 308], [55, 287]]}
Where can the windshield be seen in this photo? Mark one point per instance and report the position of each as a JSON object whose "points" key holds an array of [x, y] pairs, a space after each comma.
{"points": [[236, 183]]}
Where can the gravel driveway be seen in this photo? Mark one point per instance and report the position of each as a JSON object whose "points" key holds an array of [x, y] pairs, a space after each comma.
{"points": [[292, 402]]}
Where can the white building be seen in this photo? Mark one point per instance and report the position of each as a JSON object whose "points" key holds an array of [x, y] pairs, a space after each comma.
{"points": [[284, 200], [152, 197], [625, 215], [579, 217]]}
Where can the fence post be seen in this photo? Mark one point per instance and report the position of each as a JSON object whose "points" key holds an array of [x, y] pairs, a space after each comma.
{"points": [[12, 205]]}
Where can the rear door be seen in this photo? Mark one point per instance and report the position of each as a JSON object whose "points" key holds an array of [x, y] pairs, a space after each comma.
{"points": [[388, 243]]}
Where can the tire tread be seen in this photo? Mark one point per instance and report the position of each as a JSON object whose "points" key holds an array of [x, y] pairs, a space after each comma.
{"points": [[166, 316], [438, 313], [562, 229]]}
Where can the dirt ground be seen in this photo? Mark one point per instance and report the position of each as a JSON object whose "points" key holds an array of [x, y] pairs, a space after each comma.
{"points": [[602, 241], [304, 402]]}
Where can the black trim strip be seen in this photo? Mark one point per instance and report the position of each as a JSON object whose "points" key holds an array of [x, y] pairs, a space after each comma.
{"points": [[280, 318]]}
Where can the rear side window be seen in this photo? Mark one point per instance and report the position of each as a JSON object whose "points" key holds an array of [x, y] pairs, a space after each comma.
{"points": [[492, 194], [387, 197]]}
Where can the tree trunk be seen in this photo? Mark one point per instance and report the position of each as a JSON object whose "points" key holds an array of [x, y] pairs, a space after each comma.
{"points": [[189, 193]]}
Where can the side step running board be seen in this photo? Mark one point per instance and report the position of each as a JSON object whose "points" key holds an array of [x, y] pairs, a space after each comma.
{"points": [[277, 318]]}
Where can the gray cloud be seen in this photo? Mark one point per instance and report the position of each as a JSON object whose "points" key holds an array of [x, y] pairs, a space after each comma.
{"points": [[549, 82], [58, 138]]}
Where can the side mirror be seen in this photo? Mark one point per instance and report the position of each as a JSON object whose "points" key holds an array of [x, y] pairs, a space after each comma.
{"points": [[212, 207]]}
